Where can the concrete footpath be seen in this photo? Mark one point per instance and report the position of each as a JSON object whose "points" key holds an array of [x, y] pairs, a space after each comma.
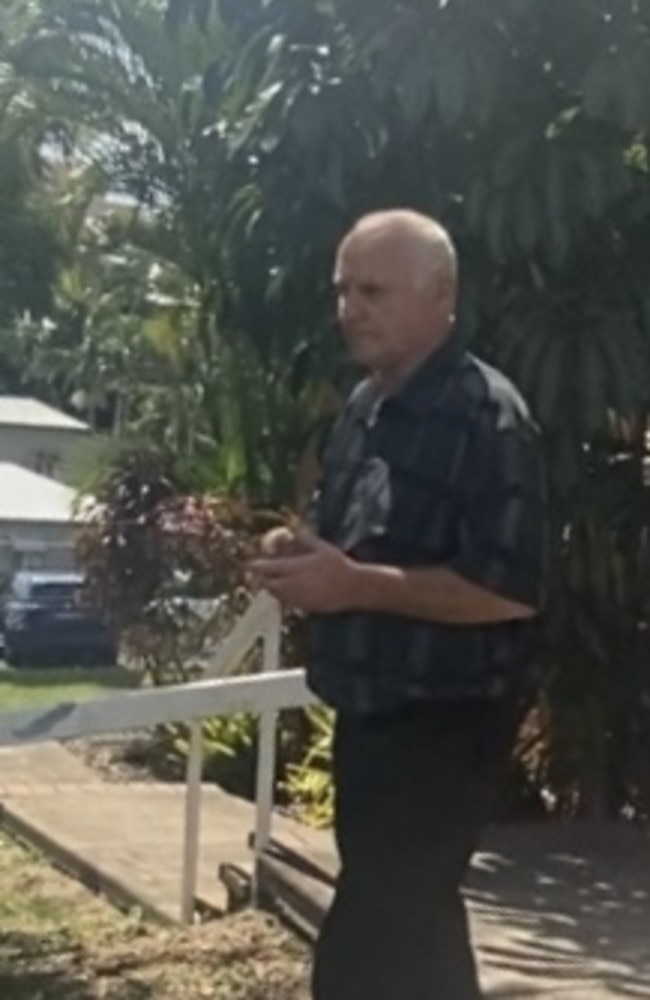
{"points": [[557, 910], [125, 839]]}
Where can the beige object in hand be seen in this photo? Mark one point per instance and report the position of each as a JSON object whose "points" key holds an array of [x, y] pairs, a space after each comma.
{"points": [[281, 542]]}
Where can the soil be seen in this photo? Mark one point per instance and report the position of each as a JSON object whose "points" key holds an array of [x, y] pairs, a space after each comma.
{"points": [[58, 941]]}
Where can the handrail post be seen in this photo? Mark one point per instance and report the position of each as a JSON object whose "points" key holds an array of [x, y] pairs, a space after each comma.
{"points": [[267, 746], [192, 822]]}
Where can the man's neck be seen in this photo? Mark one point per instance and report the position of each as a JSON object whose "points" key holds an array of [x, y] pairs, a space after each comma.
{"points": [[390, 380]]}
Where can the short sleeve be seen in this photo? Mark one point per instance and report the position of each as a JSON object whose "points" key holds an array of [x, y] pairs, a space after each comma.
{"points": [[501, 539]]}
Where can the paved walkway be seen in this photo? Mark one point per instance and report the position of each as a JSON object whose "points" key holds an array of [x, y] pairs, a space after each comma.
{"points": [[557, 911], [125, 839], [564, 910]]}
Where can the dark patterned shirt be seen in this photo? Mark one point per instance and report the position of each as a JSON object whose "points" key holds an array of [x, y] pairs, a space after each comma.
{"points": [[446, 472]]}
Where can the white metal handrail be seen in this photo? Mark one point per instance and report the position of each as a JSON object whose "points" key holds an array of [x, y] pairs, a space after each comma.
{"points": [[263, 694]]}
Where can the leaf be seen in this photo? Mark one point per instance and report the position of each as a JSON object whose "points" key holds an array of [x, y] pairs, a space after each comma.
{"points": [[416, 84], [452, 79], [622, 366], [511, 161], [547, 377], [554, 187], [335, 180], [593, 189], [486, 66], [300, 370], [388, 57], [178, 12], [175, 15], [258, 112], [534, 343], [598, 87], [163, 334], [634, 88], [526, 218], [558, 242], [592, 395], [513, 339], [476, 204], [496, 224], [202, 11], [306, 122], [190, 108], [213, 81]]}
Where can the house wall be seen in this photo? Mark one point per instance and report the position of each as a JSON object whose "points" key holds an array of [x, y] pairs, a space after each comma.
{"points": [[48, 451]]}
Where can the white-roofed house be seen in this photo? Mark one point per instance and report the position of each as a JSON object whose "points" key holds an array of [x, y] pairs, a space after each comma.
{"points": [[39, 521], [39, 437]]}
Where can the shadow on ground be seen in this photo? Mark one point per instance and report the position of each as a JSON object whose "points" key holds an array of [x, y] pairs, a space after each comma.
{"points": [[564, 904]]}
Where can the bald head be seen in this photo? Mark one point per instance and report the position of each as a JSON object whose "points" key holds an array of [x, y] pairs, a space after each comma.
{"points": [[395, 276], [423, 242]]}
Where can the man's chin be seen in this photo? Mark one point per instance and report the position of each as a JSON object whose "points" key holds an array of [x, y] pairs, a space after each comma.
{"points": [[364, 354]]}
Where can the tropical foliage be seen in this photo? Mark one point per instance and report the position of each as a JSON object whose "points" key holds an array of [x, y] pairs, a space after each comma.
{"points": [[230, 144], [29, 251], [309, 780], [166, 567]]}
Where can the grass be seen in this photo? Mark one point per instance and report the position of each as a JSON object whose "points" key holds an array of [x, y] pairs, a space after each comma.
{"points": [[60, 942], [27, 688]]}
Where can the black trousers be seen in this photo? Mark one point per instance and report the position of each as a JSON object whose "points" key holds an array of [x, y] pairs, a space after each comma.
{"points": [[414, 792]]}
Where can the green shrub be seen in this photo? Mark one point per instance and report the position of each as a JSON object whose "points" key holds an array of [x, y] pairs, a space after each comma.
{"points": [[309, 784], [230, 747], [229, 752]]}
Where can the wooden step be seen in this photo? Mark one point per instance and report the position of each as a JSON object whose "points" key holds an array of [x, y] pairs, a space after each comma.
{"points": [[298, 889], [237, 878], [299, 897]]}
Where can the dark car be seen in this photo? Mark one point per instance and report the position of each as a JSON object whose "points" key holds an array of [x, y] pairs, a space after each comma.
{"points": [[49, 619]]}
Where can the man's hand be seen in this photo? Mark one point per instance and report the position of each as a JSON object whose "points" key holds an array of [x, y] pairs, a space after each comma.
{"points": [[319, 579]]}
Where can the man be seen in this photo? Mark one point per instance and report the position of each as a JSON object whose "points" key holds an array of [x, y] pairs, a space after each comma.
{"points": [[422, 584]]}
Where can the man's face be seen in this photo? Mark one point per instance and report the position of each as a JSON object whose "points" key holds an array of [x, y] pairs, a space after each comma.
{"points": [[388, 316]]}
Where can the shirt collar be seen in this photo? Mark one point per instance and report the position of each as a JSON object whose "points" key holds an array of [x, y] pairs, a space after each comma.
{"points": [[421, 390], [419, 394]]}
